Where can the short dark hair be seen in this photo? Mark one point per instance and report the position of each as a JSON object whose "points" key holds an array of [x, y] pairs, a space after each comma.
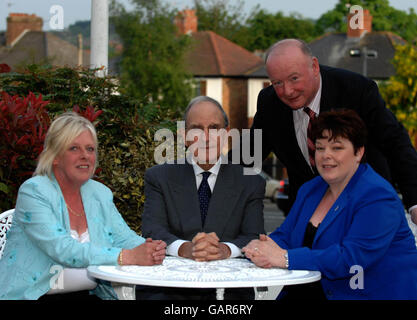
{"points": [[344, 123]]}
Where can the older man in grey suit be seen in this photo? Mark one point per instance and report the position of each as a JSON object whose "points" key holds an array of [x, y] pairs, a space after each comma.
{"points": [[204, 210]]}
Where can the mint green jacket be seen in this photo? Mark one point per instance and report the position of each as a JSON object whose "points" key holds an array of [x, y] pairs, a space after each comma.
{"points": [[39, 239]]}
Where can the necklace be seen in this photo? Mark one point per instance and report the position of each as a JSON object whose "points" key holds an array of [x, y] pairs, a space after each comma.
{"points": [[73, 212]]}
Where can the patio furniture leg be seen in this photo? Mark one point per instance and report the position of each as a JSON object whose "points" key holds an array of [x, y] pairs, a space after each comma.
{"points": [[124, 291]]}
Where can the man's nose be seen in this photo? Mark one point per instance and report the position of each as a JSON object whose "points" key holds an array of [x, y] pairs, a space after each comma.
{"points": [[288, 89], [206, 134]]}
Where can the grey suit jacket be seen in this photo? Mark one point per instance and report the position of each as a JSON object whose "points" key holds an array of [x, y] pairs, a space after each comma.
{"points": [[172, 209]]}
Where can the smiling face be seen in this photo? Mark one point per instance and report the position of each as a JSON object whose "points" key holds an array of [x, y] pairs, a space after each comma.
{"points": [[294, 75], [336, 159], [76, 164]]}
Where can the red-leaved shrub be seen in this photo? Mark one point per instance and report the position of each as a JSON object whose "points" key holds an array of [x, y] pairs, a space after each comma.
{"points": [[23, 125]]}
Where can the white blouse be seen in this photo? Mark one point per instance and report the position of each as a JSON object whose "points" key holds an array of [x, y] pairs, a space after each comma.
{"points": [[75, 279]]}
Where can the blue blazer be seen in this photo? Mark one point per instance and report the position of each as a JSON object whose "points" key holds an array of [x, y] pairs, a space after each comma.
{"points": [[366, 229], [39, 238]]}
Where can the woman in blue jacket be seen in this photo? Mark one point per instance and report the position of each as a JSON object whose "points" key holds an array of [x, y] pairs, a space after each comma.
{"points": [[348, 223], [64, 221]]}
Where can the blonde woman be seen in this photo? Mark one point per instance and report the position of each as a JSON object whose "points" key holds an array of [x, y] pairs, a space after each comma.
{"points": [[66, 221]]}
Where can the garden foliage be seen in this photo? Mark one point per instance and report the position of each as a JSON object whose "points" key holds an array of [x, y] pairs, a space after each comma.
{"points": [[31, 100]]}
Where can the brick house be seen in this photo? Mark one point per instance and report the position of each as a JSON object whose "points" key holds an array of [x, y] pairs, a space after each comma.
{"points": [[222, 70], [360, 50], [24, 42]]}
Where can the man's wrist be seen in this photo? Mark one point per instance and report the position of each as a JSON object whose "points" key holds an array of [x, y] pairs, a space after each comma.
{"points": [[225, 250], [185, 250]]}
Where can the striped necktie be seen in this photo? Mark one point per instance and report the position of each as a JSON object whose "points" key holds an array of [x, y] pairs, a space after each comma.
{"points": [[310, 144], [204, 195]]}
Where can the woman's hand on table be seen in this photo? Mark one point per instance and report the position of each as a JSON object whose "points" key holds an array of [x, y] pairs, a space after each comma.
{"points": [[265, 253], [150, 253]]}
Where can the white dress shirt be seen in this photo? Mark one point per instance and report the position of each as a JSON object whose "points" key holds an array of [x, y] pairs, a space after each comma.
{"points": [[173, 248], [301, 120]]}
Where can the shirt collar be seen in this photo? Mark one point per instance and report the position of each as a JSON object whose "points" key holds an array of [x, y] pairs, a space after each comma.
{"points": [[214, 169], [315, 104]]}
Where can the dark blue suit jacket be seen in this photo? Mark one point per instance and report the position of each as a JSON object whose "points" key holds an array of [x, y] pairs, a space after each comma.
{"points": [[365, 228]]}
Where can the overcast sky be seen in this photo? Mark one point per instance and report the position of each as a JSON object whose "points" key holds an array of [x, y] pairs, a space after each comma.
{"points": [[74, 10]]}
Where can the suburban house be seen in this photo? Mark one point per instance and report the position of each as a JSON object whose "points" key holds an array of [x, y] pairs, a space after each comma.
{"points": [[24, 42], [222, 69], [360, 50]]}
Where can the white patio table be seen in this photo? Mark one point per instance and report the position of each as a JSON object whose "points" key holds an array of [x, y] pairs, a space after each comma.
{"points": [[186, 273]]}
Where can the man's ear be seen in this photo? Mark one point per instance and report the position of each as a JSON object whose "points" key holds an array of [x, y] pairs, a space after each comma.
{"points": [[315, 66]]}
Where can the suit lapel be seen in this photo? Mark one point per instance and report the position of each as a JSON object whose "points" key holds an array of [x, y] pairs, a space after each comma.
{"points": [[341, 203], [186, 201], [338, 207], [223, 200], [328, 100]]}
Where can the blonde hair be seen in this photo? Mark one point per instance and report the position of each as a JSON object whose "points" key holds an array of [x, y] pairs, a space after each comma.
{"points": [[63, 130]]}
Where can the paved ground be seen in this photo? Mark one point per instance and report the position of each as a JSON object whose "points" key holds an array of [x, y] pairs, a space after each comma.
{"points": [[272, 215]]}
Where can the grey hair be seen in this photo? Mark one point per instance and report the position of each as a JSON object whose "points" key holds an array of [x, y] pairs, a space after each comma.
{"points": [[63, 130], [302, 45], [206, 99]]}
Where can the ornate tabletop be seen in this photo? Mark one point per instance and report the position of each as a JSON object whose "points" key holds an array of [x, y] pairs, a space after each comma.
{"points": [[186, 273]]}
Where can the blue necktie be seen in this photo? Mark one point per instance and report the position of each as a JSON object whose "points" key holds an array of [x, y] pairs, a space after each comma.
{"points": [[204, 194]]}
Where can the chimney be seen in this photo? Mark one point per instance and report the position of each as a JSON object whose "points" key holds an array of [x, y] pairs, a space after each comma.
{"points": [[354, 24], [17, 23], [186, 21]]}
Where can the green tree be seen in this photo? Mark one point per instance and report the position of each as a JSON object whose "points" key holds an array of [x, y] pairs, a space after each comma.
{"points": [[256, 31], [152, 61], [384, 18], [265, 28], [222, 17], [400, 92]]}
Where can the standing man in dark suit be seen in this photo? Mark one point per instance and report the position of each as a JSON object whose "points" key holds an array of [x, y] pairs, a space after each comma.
{"points": [[204, 209], [298, 81]]}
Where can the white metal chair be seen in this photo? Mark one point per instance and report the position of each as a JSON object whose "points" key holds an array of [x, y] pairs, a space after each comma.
{"points": [[5, 224]]}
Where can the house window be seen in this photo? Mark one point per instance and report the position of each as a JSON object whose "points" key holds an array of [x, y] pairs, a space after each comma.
{"points": [[201, 88]]}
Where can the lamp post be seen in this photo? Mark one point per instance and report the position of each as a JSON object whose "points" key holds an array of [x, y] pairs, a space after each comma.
{"points": [[365, 62]]}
